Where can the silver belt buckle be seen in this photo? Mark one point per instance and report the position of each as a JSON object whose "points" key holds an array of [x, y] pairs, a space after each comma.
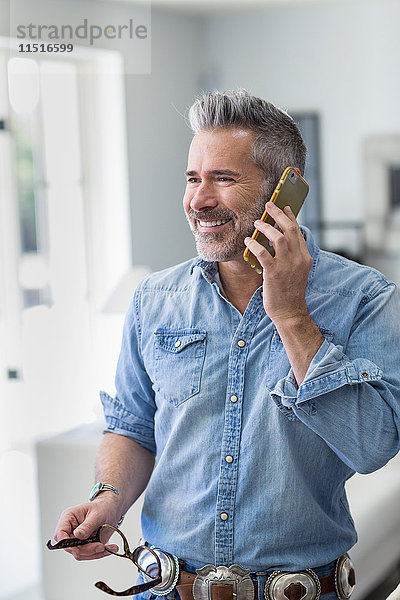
{"points": [[345, 579], [238, 578], [281, 585]]}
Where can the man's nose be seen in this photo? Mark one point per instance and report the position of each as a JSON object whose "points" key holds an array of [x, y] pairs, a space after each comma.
{"points": [[203, 197]]}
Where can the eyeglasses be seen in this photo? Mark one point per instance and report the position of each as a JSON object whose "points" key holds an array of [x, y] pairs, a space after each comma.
{"points": [[141, 555]]}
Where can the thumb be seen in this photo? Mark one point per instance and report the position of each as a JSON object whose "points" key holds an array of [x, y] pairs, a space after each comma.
{"points": [[87, 528]]}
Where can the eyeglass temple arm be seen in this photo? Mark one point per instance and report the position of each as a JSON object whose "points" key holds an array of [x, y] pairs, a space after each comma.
{"points": [[72, 542], [135, 589]]}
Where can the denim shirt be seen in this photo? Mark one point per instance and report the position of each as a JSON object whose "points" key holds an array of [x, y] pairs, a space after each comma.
{"points": [[251, 468]]}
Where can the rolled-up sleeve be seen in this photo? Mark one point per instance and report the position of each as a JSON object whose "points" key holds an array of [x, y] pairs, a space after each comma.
{"points": [[131, 412], [351, 398]]}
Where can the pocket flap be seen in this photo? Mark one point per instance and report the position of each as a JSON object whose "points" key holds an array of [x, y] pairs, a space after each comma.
{"points": [[177, 340]]}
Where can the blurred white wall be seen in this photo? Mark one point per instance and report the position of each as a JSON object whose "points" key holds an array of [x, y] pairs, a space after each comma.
{"points": [[158, 140]]}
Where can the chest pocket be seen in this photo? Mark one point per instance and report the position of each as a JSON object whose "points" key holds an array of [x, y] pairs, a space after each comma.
{"points": [[179, 358]]}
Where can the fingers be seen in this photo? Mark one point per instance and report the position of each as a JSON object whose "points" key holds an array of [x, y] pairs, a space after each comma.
{"points": [[92, 551], [88, 527], [285, 220], [65, 526], [62, 534], [286, 233], [69, 520], [80, 522], [261, 253], [286, 238], [286, 215]]}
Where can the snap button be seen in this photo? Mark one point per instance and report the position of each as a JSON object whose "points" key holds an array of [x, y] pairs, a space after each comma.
{"points": [[288, 408], [364, 374], [178, 343], [241, 343], [234, 398], [224, 516], [229, 459]]}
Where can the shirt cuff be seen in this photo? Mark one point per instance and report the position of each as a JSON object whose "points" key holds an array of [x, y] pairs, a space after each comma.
{"points": [[329, 370], [120, 420]]}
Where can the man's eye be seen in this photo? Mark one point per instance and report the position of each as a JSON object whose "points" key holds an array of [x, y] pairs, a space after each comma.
{"points": [[192, 180], [222, 178]]}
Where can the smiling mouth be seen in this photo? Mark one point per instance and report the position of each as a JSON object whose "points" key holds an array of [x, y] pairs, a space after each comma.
{"points": [[212, 224]]}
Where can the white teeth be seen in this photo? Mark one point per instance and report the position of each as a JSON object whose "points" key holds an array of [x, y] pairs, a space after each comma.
{"points": [[212, 223]]}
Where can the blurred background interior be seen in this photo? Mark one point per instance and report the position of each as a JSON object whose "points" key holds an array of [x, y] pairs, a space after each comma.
{"points": [[92, 156]]}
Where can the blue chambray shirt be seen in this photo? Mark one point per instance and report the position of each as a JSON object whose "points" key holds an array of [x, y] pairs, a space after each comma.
{"points": [[251, 468]]}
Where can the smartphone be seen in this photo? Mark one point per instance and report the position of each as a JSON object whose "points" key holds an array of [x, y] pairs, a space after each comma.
{"points": [[291, 191]]}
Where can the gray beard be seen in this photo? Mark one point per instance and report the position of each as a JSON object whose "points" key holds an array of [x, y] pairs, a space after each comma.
{"points": [[221, 246]]}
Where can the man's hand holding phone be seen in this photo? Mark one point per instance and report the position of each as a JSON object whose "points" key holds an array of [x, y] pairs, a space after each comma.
{"points": [[285, 277], [286, 273]]}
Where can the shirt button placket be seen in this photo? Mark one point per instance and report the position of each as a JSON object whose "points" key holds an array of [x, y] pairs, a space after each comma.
{"points": [[230, 452]]}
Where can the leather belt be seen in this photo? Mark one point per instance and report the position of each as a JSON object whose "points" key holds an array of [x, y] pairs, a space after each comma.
{"points": [[220, 591], [236, 583]]}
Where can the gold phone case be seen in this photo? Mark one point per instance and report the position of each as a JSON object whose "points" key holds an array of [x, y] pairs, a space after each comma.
{"points": [[291, 191]]}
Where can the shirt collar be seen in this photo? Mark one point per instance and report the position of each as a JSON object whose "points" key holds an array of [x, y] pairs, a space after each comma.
{"points": [[313, 250], [208, 269]]}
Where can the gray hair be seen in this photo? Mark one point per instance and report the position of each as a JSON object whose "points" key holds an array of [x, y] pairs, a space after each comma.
{"points": [[278, 143]]}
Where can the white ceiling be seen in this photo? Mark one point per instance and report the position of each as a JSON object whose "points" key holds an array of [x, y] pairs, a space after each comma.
{"points": [[207, 6]]}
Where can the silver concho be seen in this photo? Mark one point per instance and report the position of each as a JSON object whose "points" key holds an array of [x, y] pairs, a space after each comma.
{"points": [[279, 581], [169, 570], [344, 577], [238, 578]]}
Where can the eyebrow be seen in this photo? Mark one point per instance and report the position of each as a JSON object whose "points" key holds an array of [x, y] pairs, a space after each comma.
{"points": [[215, 172]]}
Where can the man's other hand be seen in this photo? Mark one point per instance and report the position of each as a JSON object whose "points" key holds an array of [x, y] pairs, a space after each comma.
{"points": [[82, 521]]}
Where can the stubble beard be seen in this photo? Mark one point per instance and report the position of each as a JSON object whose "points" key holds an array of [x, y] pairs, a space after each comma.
{"points": [[226, 245]]}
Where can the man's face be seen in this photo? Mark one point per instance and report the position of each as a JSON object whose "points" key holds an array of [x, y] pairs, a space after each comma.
{"points": [[223, 192]]}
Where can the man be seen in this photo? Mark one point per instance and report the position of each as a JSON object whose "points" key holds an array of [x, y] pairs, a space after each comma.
{"points": [[259, 395]]}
